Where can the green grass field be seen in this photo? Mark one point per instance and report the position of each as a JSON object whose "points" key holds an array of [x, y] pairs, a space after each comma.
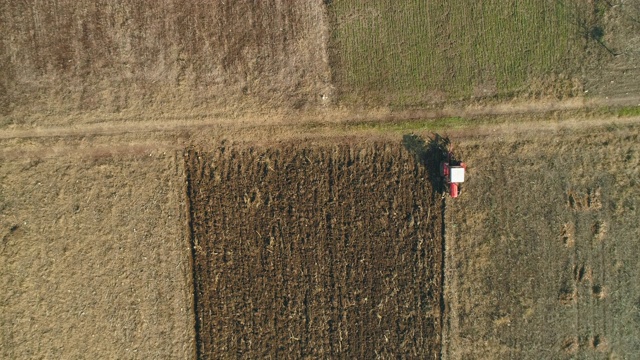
{"points": [[433, 51], [628, 111]]}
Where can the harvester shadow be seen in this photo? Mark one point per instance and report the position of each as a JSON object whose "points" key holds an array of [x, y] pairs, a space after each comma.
{"points": [[429, 153]]}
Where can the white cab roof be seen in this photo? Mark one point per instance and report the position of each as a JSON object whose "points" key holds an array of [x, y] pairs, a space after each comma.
{"points": [[457, 174]]}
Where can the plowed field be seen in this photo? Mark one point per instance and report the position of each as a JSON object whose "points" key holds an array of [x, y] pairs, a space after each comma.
{"points": [[319, 251]]}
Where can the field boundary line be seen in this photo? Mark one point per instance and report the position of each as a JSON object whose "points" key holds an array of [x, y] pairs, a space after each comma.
{"points": [[192, 254]]}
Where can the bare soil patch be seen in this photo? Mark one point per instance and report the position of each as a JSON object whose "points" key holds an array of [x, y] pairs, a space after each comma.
{"points": [[315, 251]]}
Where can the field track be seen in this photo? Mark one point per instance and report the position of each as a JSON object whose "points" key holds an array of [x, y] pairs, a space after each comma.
{"points": [[119, 127]]}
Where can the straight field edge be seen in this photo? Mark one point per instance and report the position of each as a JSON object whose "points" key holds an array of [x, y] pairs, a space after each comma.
{"points": [[186, 191]]}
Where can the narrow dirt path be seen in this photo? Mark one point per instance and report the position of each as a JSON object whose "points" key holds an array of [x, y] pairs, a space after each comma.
{"points": [[325, 117]]}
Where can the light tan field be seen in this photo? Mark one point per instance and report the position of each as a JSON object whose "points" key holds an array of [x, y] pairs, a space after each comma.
{"points": [[94, 257], [71, 62]]}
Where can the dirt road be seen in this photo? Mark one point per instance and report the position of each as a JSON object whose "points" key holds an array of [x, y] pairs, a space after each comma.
{"points": [[320, 121]]}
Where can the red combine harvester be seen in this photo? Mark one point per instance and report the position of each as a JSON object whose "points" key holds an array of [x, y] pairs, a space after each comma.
{"points": [[452, 171]]}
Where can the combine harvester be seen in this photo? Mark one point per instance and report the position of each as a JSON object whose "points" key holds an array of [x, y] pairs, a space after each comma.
{"points": [[452, 171]]}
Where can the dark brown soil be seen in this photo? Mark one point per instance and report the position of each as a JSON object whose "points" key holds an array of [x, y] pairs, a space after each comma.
{"points": [[317, 251]]}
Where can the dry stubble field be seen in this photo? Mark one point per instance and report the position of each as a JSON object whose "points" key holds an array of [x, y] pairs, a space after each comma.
{"points": [[73, 62], [542, 250], [94, 257]]}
